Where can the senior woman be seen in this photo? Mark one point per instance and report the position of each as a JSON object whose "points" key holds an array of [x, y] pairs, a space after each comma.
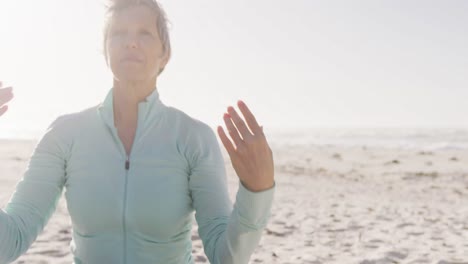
{"points": [[134, 170]]}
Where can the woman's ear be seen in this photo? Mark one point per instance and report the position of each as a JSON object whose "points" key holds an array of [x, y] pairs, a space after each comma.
{"points": [[164, 61]]}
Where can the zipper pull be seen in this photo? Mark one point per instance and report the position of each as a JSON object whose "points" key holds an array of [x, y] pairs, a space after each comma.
{"points": [[127, 164]]}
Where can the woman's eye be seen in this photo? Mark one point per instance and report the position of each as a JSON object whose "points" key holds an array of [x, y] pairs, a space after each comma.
{"points": [[116, 33], [146, 33]]}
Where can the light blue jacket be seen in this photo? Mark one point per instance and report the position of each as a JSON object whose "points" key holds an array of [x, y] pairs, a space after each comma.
{"points": [[137, 208]]}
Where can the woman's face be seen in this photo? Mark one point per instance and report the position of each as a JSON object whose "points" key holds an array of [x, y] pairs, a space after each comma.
{"points": [[134, 49]]}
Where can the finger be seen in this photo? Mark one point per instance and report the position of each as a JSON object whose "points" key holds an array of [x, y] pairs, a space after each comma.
{"points": [[8, 89], [249, 118], [232, 130], [240, 124], [5, 95], [226, 142], [3, 109]]}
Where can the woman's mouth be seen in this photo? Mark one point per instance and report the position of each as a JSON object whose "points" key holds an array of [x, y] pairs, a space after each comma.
{"points": [[131, 59]]}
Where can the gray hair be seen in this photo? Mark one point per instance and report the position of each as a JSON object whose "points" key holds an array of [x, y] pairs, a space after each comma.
{"points": [[162, 22]]}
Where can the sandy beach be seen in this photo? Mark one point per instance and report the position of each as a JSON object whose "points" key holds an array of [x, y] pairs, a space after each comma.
{"points": [[333, 205]]}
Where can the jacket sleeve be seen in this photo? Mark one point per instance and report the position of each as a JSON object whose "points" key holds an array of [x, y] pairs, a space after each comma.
{"points": [[35, 197], [229, 233]]}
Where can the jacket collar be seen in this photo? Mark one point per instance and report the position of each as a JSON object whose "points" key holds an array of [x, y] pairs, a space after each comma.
{"points": [[148, 109]]}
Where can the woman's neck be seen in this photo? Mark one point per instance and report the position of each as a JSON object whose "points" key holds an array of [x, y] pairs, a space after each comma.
{"points": [[127, 96]]}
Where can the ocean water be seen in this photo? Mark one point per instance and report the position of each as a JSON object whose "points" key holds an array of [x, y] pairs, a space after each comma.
{"points": [[20, 133], [409, 138]]}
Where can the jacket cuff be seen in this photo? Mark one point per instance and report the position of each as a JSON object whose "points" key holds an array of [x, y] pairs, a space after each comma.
{"points": [[254, 208]]}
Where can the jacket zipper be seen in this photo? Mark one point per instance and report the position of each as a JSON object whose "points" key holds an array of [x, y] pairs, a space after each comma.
{"points": [[127, 163], [127, 168]]}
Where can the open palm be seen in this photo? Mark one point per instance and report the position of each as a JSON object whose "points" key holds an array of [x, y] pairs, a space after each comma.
{"points": [[249, 151]]}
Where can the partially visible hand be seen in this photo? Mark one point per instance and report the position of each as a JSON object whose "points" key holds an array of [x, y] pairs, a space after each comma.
{"points": [[6, 94], [250, 153]]}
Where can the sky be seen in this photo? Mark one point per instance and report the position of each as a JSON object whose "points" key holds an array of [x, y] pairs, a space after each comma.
{"points": [[297, 64]]}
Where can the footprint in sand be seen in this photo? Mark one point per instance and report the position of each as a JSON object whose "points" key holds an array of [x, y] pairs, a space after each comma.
{"points": [[451, 262], [415, 233], [200, 259], [278, 233], [16, 158], [64, 231], [376, 241], [393, 162], [53, 253], [420, 261], [337, 156], [404, 225], [419, 175], [391, 257], [425, 153], [376, 261], [397, 255]]}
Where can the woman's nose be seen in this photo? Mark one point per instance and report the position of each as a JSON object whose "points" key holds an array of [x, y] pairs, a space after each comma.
{"points": [[131, 42]]}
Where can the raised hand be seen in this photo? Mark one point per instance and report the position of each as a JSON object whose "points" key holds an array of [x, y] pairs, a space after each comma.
{"points": [[249, 151], [6, 94]]}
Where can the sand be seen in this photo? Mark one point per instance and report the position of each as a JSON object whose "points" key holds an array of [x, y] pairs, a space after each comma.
{"points": [[332, 205]]}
